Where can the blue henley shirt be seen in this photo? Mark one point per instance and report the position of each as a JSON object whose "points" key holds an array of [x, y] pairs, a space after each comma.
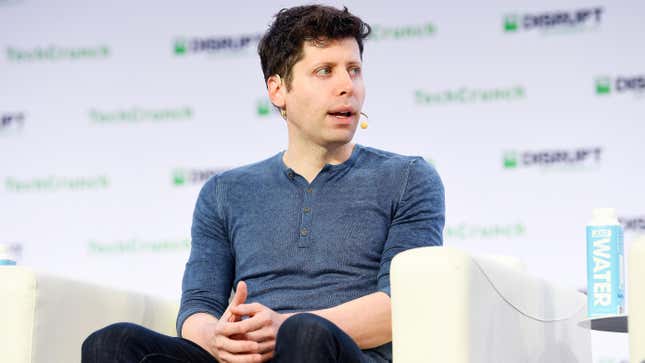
{"points": [[303, 246]]}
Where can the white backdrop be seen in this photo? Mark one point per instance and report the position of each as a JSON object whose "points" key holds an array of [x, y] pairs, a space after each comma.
{"points": [[113, 114]]}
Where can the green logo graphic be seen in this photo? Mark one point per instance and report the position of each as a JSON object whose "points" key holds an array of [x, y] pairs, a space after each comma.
{"points": [[264, 107], [603, 85], [576, 159], [56, 53], [181, 47], [511, 23], [136, 245], [465, 231], [138, 114], [56, 183], [380, 32], [192, 176], [179, 177], [553, 22], [233, 45], [465, 95], [510, 160]]}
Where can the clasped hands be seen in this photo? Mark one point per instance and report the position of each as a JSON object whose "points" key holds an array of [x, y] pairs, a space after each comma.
{"points": [[234, 339]]}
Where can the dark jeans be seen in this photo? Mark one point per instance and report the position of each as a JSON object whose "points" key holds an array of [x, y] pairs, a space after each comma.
{"points": [[301, 338]]}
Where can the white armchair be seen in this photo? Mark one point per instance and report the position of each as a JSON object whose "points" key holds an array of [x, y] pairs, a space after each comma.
{"points": [[636, 301], [44, 319], [448, 306]]}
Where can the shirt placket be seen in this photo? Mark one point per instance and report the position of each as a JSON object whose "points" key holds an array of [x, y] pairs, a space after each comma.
{"points": [[304, 239]]}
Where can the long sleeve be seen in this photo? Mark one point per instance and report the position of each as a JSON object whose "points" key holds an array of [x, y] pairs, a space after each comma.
{"points": [[209, 273], [419, 218]]}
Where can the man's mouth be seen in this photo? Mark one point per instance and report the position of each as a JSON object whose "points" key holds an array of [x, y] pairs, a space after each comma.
{"points": [[341, 114]]}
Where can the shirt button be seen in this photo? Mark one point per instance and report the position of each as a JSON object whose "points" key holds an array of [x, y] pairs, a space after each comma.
{"points": [[290, 174], [307, 210], [309, 190], [304, 232]]}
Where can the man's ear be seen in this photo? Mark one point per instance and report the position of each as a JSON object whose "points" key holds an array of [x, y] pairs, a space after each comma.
{"points": [[277, 89]]}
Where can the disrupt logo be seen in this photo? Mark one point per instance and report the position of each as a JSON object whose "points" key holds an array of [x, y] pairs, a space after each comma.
{"points": [[182, 177], [136, 245], [56, 183], [606, 85], [380, 32], [56, 53], [465, 95], [12, 121], [138, 114], [212, 45], [554, 20], [490, 231], [633, 224], [515, 159]]}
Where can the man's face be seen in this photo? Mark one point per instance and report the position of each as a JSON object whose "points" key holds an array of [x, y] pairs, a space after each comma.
{"points": [[327, 93]]}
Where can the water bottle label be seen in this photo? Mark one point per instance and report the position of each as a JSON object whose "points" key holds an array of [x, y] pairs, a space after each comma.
{"points": [[605, 287]]}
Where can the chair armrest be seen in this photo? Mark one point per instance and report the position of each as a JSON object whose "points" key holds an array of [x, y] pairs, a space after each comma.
{"points": [[48, 317], [448, 306], [636, 301]]}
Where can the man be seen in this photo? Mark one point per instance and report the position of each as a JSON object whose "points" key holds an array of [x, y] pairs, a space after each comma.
{"points": [[306, 236]]}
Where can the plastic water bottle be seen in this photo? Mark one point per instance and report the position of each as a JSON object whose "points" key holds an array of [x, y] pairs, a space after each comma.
{"points": [[605, 264], [7, 257]]}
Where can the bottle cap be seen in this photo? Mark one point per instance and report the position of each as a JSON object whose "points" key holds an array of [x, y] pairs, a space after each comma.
{"points": [[6, 255]]}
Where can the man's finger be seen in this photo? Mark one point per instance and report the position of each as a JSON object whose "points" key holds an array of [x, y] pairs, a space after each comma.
{"points": [[267, 356], [235, 346], [247, 309], [266, 346], [261, 335], [244, 326], [240, 296], [240, 358]]}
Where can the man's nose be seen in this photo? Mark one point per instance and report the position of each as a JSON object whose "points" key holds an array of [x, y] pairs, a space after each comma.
{"points": [[345, 84]]}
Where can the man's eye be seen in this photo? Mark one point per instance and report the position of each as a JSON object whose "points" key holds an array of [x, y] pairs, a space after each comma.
{"points": [[323, 71], [355, 71]]}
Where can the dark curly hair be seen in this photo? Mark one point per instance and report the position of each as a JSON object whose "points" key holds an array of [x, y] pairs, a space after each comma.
{"points": [[282, 45]]}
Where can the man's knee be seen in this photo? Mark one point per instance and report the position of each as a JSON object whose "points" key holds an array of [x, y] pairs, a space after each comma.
{"points": [[306, 328], [108, 340]]}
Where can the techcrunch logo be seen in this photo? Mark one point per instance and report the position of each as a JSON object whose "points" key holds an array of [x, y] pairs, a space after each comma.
{"points": [[138, 114], [633, 224], [489, 231], [605, 85], [465, 95], [181, 177], [554, 20], [136, 245], [12, 121], [56, 183], [579, 156], [56, 53], [380, 32], [213, 45]]}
